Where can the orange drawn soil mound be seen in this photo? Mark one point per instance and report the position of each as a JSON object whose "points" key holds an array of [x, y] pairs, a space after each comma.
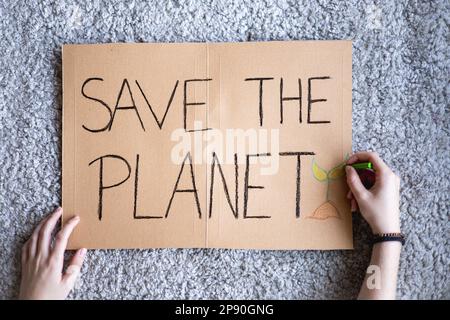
{"points": [[325, 211]]}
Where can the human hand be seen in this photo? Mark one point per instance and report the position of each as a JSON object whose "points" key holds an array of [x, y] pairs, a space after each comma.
{"points": [[42, 262], [380, 204]]}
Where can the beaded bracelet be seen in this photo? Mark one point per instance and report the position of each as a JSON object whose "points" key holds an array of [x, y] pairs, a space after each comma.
{"points": [[382, 237]]}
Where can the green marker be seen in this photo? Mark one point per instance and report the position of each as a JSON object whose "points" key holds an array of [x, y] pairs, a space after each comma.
{"points": [[363, 165], [366, 173]]}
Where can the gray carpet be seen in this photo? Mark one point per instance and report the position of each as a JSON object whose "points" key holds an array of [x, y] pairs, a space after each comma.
{"points": [[400, 100]]}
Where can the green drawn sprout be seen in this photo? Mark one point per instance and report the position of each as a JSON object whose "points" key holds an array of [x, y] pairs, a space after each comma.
{"points": [[323, 175]]}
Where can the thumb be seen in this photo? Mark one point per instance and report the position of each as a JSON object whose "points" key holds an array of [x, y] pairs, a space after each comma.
{"points": [[73, 270], [354, 182]]}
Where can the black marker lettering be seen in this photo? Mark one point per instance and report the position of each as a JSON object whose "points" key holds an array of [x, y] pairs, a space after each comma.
{"points": [[160, 123], [311, 101], [225, 187], [247, 186], [186, 104], [299, 98], [136, 185], [261, 93], [103, 103], [193, 190], [297, 192], [103, 187], [125, 83]]}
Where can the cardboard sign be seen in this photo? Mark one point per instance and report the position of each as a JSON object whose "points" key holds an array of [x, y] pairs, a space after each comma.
{"points": [[227, 145]]}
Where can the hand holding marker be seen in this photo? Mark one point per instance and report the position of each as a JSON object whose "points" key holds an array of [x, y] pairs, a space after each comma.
{"points": [[375, 193]]}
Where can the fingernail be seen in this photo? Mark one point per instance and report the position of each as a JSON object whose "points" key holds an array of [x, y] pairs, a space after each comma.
{"points": [[347, 169], [76, 218], [58, 210], [82, 252]]}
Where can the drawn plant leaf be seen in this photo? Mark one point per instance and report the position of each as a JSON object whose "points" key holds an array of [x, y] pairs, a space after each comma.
{"points": [[319, 173], [337, 172]]}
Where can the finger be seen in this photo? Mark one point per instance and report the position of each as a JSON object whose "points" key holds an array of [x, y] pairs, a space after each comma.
{"points": [[63, 236], [73, 270], [355, 184], [24, 254], [46, 232], [354, 206], [349, 195], [33, 241], [373, 157]]}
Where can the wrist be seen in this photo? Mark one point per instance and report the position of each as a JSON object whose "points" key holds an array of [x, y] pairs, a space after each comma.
{"points": [[387, 237], [386, 229], [388, 245]]}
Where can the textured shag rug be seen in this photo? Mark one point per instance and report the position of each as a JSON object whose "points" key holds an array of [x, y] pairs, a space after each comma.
{"points": [[400, 109]]}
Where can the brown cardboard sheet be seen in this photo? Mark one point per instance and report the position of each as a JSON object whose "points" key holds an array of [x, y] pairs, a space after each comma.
{"points": [[227, 145]]}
